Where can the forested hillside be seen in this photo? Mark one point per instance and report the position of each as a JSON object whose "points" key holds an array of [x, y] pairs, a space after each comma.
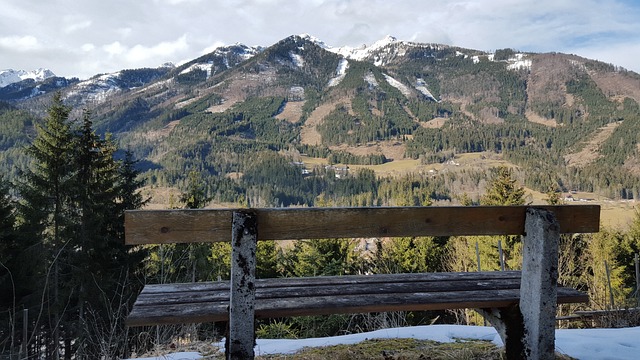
{"points": [[566, 122]]}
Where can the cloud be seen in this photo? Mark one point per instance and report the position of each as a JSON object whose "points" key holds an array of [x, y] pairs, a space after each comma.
{"points": [[75, 23], [166, 49], [20, 43], [114, 49], [125, 34]]}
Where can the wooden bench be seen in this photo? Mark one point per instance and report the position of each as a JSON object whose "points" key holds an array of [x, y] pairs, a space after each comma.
{"points": [[523, 312]]}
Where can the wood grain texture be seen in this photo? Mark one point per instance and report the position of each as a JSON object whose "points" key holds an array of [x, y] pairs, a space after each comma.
{"points": [[212, 225], [208, 302]]}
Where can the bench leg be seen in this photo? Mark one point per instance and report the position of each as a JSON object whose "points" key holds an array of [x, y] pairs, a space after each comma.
{"points": [[241, 337], [528, 329], [509, 324], [539, 285]]}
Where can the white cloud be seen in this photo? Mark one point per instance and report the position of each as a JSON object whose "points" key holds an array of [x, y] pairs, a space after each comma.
{"points": [[20, 43], [128, 34], [88, 47], [166, 49], [75, 23], [114, 49], [211, 48]]}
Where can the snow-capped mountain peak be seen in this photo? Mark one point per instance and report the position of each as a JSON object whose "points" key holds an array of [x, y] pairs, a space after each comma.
{"points": [[315, 40], [11, 76], [364, 51]]}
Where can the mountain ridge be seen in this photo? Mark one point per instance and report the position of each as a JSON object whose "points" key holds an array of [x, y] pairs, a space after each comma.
{"points": [[388, 101]]}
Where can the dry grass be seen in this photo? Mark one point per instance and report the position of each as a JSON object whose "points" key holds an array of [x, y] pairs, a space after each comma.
{"points": [[533, 117], [309, 135], [292, 111]]}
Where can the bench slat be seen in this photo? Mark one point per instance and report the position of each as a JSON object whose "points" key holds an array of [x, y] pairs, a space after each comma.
{"points": [[327, 290], [173, 304], [332, 280], [211, 225]]}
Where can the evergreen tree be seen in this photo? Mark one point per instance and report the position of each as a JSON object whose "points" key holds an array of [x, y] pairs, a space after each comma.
{"points": [[72, 200], [503, 189], [9, 270], [46, 210], [196, 198]]}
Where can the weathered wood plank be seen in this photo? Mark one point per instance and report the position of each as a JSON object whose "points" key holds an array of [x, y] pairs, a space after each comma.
{"points": [[323, 305], [337, 280], [330, 290], [211, 225]]}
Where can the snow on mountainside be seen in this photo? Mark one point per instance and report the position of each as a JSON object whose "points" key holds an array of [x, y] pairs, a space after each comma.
{"points": [[221, 59], [364, 51], [10, 76], [97, 88]]}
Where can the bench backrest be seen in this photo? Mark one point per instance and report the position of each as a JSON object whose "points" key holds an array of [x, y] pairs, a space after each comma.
{"points": [[212, 225]]}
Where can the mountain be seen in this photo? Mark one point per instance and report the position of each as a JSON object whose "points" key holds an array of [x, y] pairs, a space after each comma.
{"points": [[242, 115], [10, 76]]}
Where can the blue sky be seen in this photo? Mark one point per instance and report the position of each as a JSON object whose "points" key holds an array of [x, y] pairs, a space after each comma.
{"points": [[84, 38]]}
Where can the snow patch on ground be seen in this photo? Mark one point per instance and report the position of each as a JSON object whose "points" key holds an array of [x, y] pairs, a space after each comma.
{"points": [[398, 85], [583, 344], [519, 62], [341, 72], [97, 88], [371, 79], [421, 86], [201, 67], [297, 59]]}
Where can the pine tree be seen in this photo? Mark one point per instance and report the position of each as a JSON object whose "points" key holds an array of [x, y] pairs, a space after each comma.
{"points": [[72, 200], [45, 205], [196, 198], [503, 189], [9, 268]]}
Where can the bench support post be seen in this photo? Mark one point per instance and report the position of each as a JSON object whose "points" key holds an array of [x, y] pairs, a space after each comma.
{"points": [[539, 285], [528, 329], [241, 337]]}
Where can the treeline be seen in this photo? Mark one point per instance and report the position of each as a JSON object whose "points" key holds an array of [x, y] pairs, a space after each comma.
{"points": [[67, 277]]}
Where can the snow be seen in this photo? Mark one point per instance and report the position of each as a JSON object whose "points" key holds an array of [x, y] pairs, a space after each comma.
{"points": [[175, 356], [314, 40], [96, 88], [371, 79], [362, 52], [582, 344], [297, 59], [398, 85], [202, 67], [341, 72], [10, 76], [519, 62], [421, 86]]}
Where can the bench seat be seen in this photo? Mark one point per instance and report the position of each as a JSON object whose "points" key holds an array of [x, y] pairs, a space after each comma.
{"points": [[283, 297]]}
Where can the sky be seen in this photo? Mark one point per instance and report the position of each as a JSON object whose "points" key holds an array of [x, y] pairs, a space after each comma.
{"points": [[582, 344], [84, 38]]}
